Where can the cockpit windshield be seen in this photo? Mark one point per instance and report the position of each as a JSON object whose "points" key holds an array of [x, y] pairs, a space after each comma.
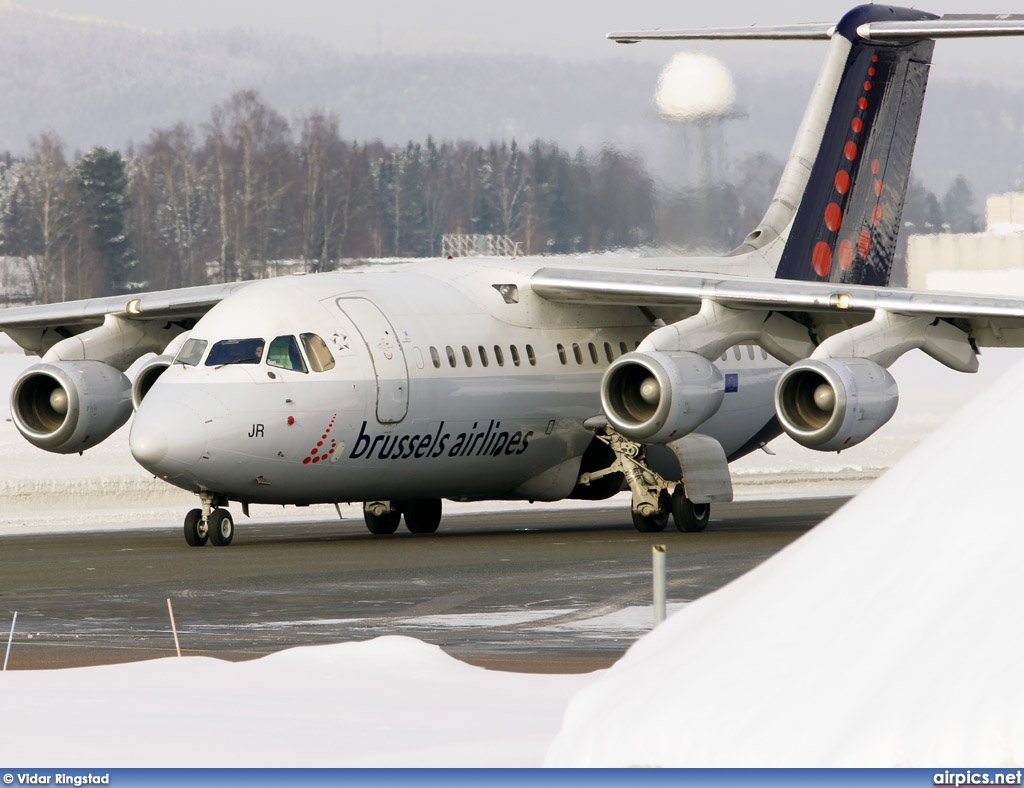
{"points": [[191, 352], [284, 354], [319, 354], [236, 351]]}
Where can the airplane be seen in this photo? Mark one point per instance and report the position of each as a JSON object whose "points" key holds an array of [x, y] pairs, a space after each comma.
{"points": [[544, 378]]}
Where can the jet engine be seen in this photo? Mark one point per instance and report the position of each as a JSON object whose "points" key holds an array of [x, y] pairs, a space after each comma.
{"points": [[658, 397], [147, 376], [831, 404], [70, 406]]}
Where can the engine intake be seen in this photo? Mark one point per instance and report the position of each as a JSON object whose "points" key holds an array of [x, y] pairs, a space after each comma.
{"points": [[658, 397], [147, 376], [832, 404], [70, 406]]}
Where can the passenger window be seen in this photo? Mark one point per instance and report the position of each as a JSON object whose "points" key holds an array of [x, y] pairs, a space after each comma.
{"points": [[284, 354], [483, 355], [561, 355], [191, 352], [736, 352], [451, 356], [532, 356], [593, 352], [725, 356], [319, 355], [435, 357], [577, 353], [515, 354], [467, 356], [499, 356], [764, 354], [418, 355], [623, 348], [236, 351], [608, 353]]}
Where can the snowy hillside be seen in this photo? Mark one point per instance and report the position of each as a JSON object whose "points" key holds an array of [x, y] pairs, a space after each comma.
{"points": [[95, 83]]}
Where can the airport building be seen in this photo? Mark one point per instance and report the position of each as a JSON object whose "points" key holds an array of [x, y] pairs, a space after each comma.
{"points": [[991, 261]]}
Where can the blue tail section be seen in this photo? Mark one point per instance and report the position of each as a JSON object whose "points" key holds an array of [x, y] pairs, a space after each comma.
{"points": [[846, 226]]}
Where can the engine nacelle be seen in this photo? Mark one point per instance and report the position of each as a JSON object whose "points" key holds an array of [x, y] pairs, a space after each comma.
{"points": [[147, 376], [658, 397], [832, 404], [70, 406]]}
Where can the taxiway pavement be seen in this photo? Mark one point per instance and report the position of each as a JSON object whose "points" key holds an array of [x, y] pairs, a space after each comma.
{"points": [[561, 591]]}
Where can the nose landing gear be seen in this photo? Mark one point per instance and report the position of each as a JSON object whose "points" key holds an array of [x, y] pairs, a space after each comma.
{"points": [[209, 524]]}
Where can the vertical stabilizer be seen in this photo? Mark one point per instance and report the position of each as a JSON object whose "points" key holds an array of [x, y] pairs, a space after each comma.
{"points": [[848, 220], [836, 213]]}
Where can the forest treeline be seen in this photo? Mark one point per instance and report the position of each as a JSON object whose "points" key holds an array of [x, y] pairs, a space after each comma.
{"points": [[223, 201]]}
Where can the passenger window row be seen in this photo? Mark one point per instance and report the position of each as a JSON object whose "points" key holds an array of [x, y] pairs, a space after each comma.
{"points": [[592, 354], [468, 358]]}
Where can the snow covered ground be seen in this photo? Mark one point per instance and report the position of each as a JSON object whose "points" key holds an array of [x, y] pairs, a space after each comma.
{"points": [[887, 636]]}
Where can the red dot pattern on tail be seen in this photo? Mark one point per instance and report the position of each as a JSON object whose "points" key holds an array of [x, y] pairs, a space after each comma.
{"points": [[845, 253]]}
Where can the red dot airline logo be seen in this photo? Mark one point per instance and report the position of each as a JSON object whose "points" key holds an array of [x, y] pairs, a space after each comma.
{"points": [[323, 450], [824, 255]]}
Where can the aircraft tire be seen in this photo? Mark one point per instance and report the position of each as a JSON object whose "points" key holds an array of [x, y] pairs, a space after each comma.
{"points": [[386, 523], [222, 527], [689, 517], [650, 524], [196, 534], [422, 515]]}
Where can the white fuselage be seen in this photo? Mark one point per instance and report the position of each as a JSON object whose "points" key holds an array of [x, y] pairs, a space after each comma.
{"points": [[445, 384]]}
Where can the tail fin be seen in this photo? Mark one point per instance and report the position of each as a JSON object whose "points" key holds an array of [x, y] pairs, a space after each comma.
{"points": [[836, 213], [846, 227]]}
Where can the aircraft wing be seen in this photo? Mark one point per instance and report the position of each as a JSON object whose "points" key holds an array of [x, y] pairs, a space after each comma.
{"points": [[825, 307], [37, 328]]}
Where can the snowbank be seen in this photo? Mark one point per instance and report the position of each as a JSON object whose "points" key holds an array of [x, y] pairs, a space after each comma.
{"points": [[388, 702], [888, 636]]}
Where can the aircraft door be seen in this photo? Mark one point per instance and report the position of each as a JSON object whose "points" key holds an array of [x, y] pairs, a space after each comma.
{"points": [[387, 355]]}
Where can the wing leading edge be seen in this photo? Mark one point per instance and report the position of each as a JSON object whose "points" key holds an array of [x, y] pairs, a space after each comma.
{"points": [[38, 328], [824, 307]]}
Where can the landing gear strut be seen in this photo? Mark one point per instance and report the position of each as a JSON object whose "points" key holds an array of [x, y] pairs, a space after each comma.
{"points": [[652, 502], [209, 524]]}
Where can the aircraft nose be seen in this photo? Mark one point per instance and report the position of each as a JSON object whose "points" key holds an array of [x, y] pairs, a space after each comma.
{"points": [[167, 437]]}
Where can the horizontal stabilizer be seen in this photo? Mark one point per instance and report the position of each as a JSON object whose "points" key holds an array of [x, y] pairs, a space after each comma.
{"points": [[948, 26]]}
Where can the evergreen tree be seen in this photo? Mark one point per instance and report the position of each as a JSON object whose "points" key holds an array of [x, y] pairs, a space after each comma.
{"points": [[958, 208], [100, 185]]}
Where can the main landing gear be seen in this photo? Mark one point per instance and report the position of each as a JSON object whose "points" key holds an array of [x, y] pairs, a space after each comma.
{"points": [[422, 515], [209, 524], [652, 502]]}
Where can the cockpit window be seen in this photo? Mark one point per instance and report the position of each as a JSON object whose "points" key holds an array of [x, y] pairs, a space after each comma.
{"points": [[235, 351], [320, 358], [284, 354], [191, 352]]}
